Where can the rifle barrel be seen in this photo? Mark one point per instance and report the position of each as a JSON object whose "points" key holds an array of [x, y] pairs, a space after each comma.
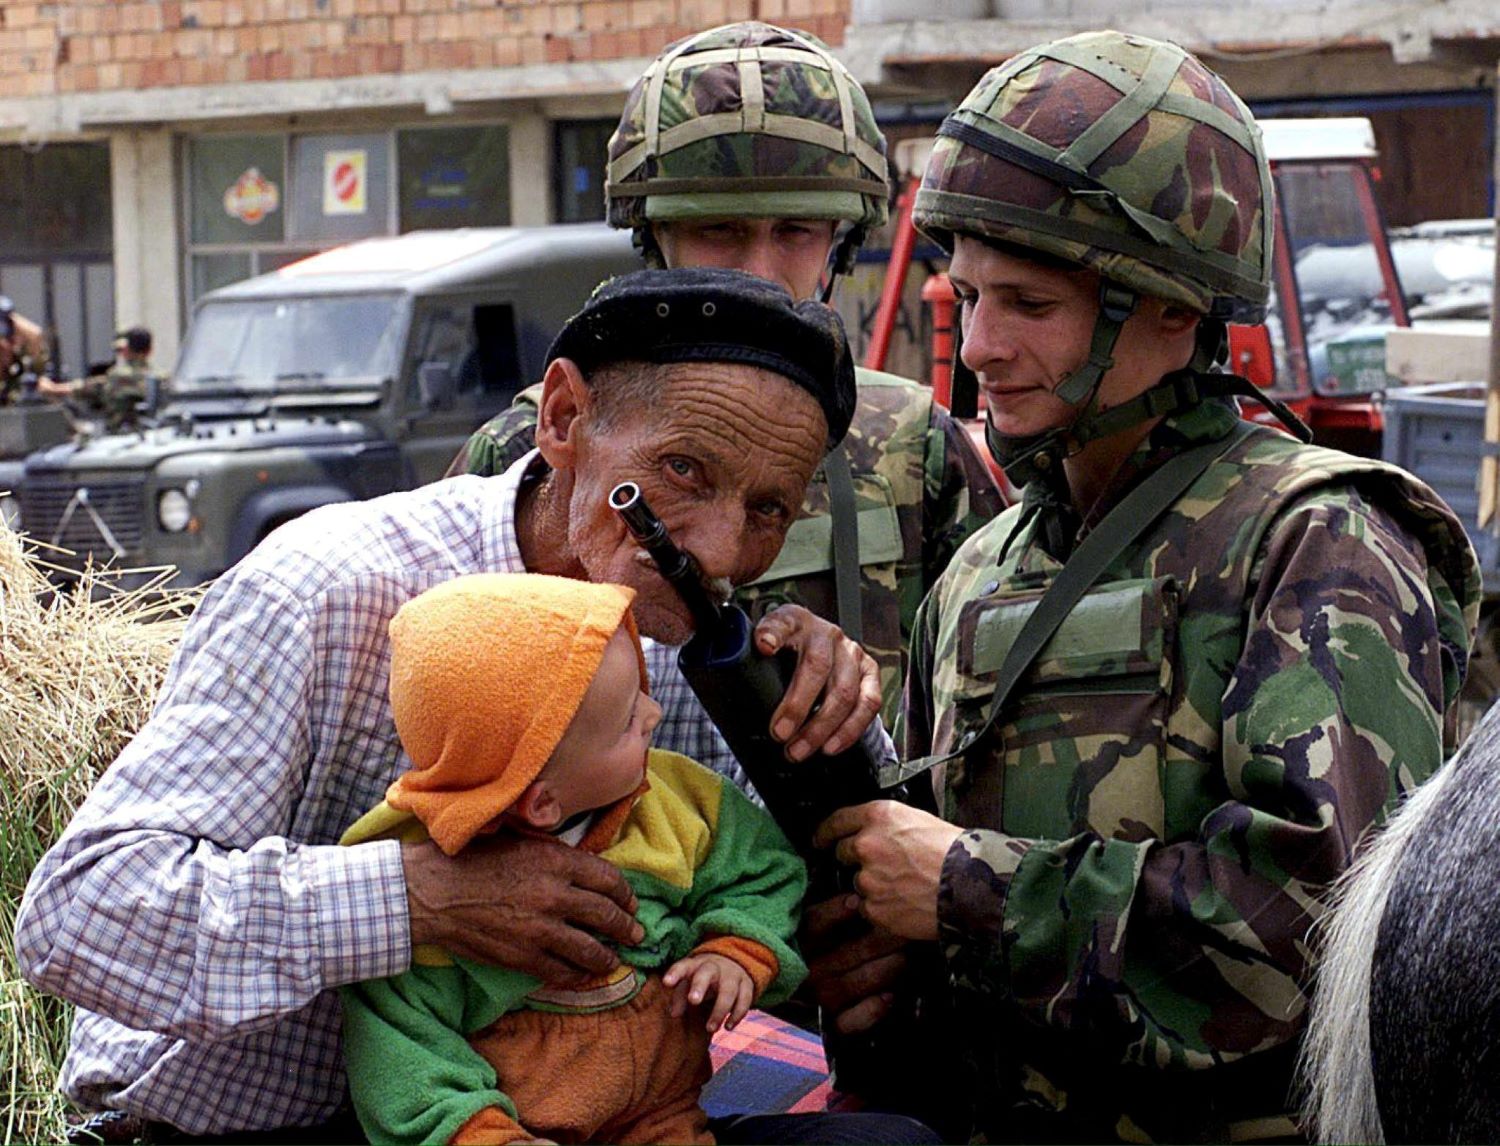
{"points": [[680, 570]]}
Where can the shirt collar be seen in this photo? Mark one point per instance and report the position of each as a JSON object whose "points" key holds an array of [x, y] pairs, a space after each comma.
{"points": [[502, 547]]}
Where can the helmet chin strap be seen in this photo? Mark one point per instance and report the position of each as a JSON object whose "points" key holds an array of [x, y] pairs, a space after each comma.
{"points": [[1039, 457], [841, 261], [1035, 462], [642, 238]]}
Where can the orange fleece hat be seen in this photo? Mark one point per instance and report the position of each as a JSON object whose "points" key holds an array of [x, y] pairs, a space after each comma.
{"points": [[487, 672]]}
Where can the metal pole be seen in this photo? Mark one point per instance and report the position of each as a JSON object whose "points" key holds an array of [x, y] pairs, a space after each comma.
{"points": [[902, 243], [1489, 470]]}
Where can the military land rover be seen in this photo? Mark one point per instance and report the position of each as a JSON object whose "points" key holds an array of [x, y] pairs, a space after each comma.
{"points": [[353, 373]]}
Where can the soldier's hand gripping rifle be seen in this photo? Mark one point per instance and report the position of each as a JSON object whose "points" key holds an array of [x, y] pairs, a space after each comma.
{"points": [[740, 689]]}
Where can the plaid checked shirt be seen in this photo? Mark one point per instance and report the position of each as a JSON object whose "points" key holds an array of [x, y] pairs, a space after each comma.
{"points": [[198, 899]]}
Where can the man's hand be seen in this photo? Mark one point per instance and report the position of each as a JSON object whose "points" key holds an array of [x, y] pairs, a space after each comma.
{"points": [[698, 975], [520, 903], [831, 669], [853, 968], [899, 851]]}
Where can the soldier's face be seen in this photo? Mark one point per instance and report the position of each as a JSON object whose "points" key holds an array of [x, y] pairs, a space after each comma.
{"points": [[1027, 326], [723, 456], [791, 252]]}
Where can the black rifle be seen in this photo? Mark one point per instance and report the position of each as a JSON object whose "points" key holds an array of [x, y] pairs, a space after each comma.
{"points": [[740, 689]]}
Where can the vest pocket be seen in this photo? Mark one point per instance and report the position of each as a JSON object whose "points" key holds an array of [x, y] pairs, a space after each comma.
{"points": [[1082, 739]]}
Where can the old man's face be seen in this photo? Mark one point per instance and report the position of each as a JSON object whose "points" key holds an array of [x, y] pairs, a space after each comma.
{"points": [[723, 454]]}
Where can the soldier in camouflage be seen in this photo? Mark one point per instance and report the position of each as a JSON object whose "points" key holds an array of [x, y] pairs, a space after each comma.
{"points": [[749, 146], [115, 397], [1117, 894]]}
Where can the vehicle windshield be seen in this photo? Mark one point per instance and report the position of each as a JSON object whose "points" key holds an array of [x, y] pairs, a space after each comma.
{"points": [[1338, 273], [260, 346]]}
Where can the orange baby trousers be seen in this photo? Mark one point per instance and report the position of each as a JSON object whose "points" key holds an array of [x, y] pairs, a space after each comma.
{"points": [[629, 1074]]}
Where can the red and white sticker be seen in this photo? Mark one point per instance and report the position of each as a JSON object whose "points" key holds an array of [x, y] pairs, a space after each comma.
{"points": [[344, 182]]}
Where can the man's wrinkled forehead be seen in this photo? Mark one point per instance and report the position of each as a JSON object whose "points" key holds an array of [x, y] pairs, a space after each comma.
{"points": [[731, 414]]}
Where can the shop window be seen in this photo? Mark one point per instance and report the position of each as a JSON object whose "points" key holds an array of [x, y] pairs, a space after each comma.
{"points": [[581, 150], [55, 200], [57, 246], [258, 202], [237, 188], [454, 177], [340, 187], [213, 271]]}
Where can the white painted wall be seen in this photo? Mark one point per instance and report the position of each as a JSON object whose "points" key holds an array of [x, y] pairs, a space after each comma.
{"points": [[530, 170], [148, 238]]}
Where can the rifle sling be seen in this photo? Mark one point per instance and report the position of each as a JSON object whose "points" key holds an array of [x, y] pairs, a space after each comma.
{"points": [[845, 517]]}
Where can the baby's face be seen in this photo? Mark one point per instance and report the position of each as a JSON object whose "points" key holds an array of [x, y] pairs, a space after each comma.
{"points": [[602, 756]]}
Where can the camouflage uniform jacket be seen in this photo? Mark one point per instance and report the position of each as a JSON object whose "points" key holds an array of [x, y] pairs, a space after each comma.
{"points": [[1183, 769], [116, 396], [920, 486]]}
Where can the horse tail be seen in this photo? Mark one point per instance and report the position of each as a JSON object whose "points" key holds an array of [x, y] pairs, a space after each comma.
{"points": [[1335, 1074]]}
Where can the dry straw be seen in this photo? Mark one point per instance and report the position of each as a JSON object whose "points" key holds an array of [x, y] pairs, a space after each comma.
{"points": [[78, 671]]}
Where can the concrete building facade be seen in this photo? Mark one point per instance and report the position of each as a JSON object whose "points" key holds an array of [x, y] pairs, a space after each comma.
{"points": [[153, 149]]}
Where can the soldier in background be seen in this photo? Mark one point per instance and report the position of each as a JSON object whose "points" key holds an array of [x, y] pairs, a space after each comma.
{"points": [[23, 351], [789, 193], [1136, 837], [117, 396]]}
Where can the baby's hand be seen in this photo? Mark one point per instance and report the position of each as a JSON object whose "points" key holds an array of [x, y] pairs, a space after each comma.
{"points": [[697, 975]]}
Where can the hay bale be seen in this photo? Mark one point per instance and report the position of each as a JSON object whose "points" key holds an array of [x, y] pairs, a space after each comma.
{"points": [[78, 674]]}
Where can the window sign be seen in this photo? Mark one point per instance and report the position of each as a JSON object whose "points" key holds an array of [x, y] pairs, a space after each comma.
{"points": [[454, 177], [344, 181], [251, 197], [340, 187], [237, 188]]}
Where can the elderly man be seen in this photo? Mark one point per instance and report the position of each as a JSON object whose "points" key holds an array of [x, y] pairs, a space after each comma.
{"points": [[196, 909]]}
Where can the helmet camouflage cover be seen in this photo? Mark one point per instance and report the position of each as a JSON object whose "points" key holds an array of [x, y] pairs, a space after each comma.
{"points": [[747, 120], [1118, 152]]}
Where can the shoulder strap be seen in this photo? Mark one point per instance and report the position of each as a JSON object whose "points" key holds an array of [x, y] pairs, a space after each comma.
{"points": [[841, 509], [1122, 525]]}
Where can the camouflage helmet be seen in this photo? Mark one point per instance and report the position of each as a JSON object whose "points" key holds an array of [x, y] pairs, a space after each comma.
{"points": [[747, 120], [1118, 152]]}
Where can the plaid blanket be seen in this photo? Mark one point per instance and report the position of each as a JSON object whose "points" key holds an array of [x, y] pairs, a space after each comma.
{"points": [[768, 1066]]}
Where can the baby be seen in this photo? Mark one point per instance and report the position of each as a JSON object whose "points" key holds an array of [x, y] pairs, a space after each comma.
{"points": [[523, 703]]}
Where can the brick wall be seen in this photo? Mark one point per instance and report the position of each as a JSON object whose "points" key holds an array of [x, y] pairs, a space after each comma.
{"points": [[130, 45]]}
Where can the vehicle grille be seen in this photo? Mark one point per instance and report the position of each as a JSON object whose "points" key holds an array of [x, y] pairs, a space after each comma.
{"points": [[85, 516]]}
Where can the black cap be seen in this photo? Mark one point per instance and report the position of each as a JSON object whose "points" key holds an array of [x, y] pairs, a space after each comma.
{"points": [[701, 314], [137, 339]]}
